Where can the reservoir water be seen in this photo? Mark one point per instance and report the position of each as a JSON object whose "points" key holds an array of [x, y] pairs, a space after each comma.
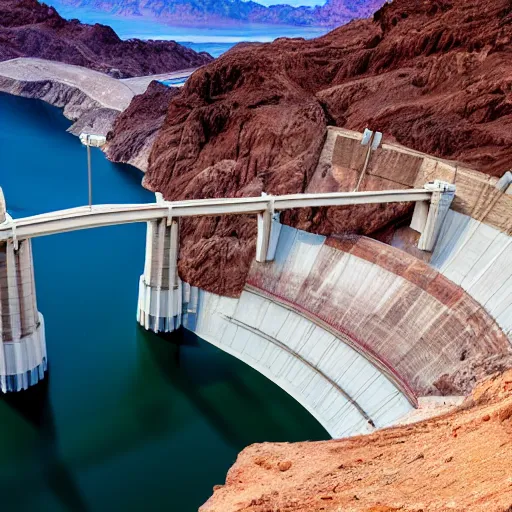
{"points": [[127, 420]]}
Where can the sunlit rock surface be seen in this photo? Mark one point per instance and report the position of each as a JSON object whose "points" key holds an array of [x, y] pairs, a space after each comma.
{"points": [[459, 461]]}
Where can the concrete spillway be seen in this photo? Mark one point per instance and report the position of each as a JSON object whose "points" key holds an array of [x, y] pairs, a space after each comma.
{"points": [[22, 337]]}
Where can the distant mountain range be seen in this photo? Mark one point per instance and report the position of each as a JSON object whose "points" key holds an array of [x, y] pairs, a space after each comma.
{"points": [[32, 29], [333, 13]]}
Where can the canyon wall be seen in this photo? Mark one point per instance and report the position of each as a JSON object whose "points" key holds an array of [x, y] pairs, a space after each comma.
{"points": [[434, 77], [136, 128]]}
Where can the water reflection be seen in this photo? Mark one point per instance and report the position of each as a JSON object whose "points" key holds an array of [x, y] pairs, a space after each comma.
{"points": [[47, 464]]}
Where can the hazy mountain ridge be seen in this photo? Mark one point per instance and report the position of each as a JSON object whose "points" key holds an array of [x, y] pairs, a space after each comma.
{"points": [[32, 29], [333, 13]]}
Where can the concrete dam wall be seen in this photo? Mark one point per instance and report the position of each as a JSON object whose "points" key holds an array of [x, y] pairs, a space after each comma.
{"points": [[354, 329], [357, 330]]}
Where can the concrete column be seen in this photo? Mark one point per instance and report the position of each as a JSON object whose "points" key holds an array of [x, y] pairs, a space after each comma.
{"points": [[505, 183], [428, 221], [269, 229], [160, 296], [23, 359]]}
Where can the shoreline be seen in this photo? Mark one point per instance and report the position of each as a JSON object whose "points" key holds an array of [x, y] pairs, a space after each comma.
{"points": [[90, 99]]}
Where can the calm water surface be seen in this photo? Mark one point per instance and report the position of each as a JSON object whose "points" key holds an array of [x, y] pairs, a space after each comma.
{"points": [[127, 420]]}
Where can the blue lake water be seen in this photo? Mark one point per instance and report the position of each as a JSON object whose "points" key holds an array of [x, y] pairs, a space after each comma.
{"points": [[209, 38], [127, 420]]}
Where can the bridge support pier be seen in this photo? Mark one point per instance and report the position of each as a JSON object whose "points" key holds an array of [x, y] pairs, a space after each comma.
{"points": [[160, 302], [269, 229], [23, 361], [428, 218]]}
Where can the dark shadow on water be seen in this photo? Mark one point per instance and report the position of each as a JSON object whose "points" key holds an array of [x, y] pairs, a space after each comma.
{"points": [[34, 406], [182, 381], [191, 365]]}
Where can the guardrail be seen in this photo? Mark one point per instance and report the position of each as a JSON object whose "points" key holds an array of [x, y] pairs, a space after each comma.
{"points": [[84, 217]]}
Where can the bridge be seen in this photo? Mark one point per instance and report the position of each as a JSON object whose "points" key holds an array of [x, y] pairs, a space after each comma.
{"points": [[23, 358]]}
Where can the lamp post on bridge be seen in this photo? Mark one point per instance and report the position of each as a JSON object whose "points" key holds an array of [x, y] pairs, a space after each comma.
{"points": [[96, 141]]}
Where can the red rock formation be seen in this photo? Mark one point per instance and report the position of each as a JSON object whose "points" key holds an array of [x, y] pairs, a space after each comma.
{"points": [[31, 29], [436, 76], [136, 128], [459, 461]]}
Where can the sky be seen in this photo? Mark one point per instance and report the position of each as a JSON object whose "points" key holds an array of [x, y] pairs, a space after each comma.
{"points": [[295, 3]]}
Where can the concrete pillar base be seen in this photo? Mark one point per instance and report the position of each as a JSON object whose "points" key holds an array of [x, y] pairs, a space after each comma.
{"points": [[23, 363], [159, 310]]}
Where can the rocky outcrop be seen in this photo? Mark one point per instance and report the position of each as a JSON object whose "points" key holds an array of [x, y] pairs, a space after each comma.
{"points": [[433, 76], [331, 14], [135, 129], [458, 461], [32, 29]]}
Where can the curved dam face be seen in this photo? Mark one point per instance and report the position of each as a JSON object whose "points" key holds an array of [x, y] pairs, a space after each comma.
{"points": [[337, 385], [354, 329]]}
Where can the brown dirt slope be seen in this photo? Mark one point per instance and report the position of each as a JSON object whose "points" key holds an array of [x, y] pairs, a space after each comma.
{"points": [[31, 29], [456, 462], [436, 76]]}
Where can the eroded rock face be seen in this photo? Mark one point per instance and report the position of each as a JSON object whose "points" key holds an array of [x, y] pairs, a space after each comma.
{"points": [[434, 76], [458, 461], [31, 29], [135, 129]]}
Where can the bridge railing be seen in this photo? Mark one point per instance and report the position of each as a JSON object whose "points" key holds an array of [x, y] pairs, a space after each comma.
{"points": [[106, 215]]}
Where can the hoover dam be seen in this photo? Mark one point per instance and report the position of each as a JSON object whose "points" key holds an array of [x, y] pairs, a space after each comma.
{"points": [[317, 261], [357, 330]]}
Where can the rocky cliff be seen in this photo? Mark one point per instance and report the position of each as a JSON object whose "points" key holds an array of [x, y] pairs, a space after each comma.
{"points": [[32, 29], [331, 14], [459, 461], [135, 129], [435, 76]]}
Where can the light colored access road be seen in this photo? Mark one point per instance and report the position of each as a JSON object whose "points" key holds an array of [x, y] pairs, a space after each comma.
{"points": [[107, 91], [107, 215], [139, 84]]}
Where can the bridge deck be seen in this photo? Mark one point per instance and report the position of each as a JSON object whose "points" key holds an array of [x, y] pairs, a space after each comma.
{"points": [[84, 217]]}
